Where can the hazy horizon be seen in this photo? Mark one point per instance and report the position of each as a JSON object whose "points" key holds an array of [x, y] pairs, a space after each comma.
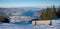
{"points": [[28, 3]]}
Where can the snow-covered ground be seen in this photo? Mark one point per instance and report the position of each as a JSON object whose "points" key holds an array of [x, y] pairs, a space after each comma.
{"points": [[19, 25]]}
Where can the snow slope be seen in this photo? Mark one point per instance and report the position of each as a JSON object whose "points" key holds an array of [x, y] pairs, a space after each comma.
{"points": [[18, 25]]}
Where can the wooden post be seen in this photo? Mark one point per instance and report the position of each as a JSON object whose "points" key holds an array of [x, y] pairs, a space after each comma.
{"points": [[35, 23], [50, 22]]}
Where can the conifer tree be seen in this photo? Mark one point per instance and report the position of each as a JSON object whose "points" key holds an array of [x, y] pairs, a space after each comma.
{"points": [[48, 14], [58, 12]]}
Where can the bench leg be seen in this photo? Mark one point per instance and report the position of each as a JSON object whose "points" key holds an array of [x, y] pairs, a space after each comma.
{"points": [[50, 22]]}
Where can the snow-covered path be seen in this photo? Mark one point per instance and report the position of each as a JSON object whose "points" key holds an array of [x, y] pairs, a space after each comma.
{"points": [[29, 26], [15, 26]]}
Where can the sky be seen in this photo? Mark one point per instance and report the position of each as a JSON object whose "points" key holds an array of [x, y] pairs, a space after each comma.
{"points": [[28, 3]]}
